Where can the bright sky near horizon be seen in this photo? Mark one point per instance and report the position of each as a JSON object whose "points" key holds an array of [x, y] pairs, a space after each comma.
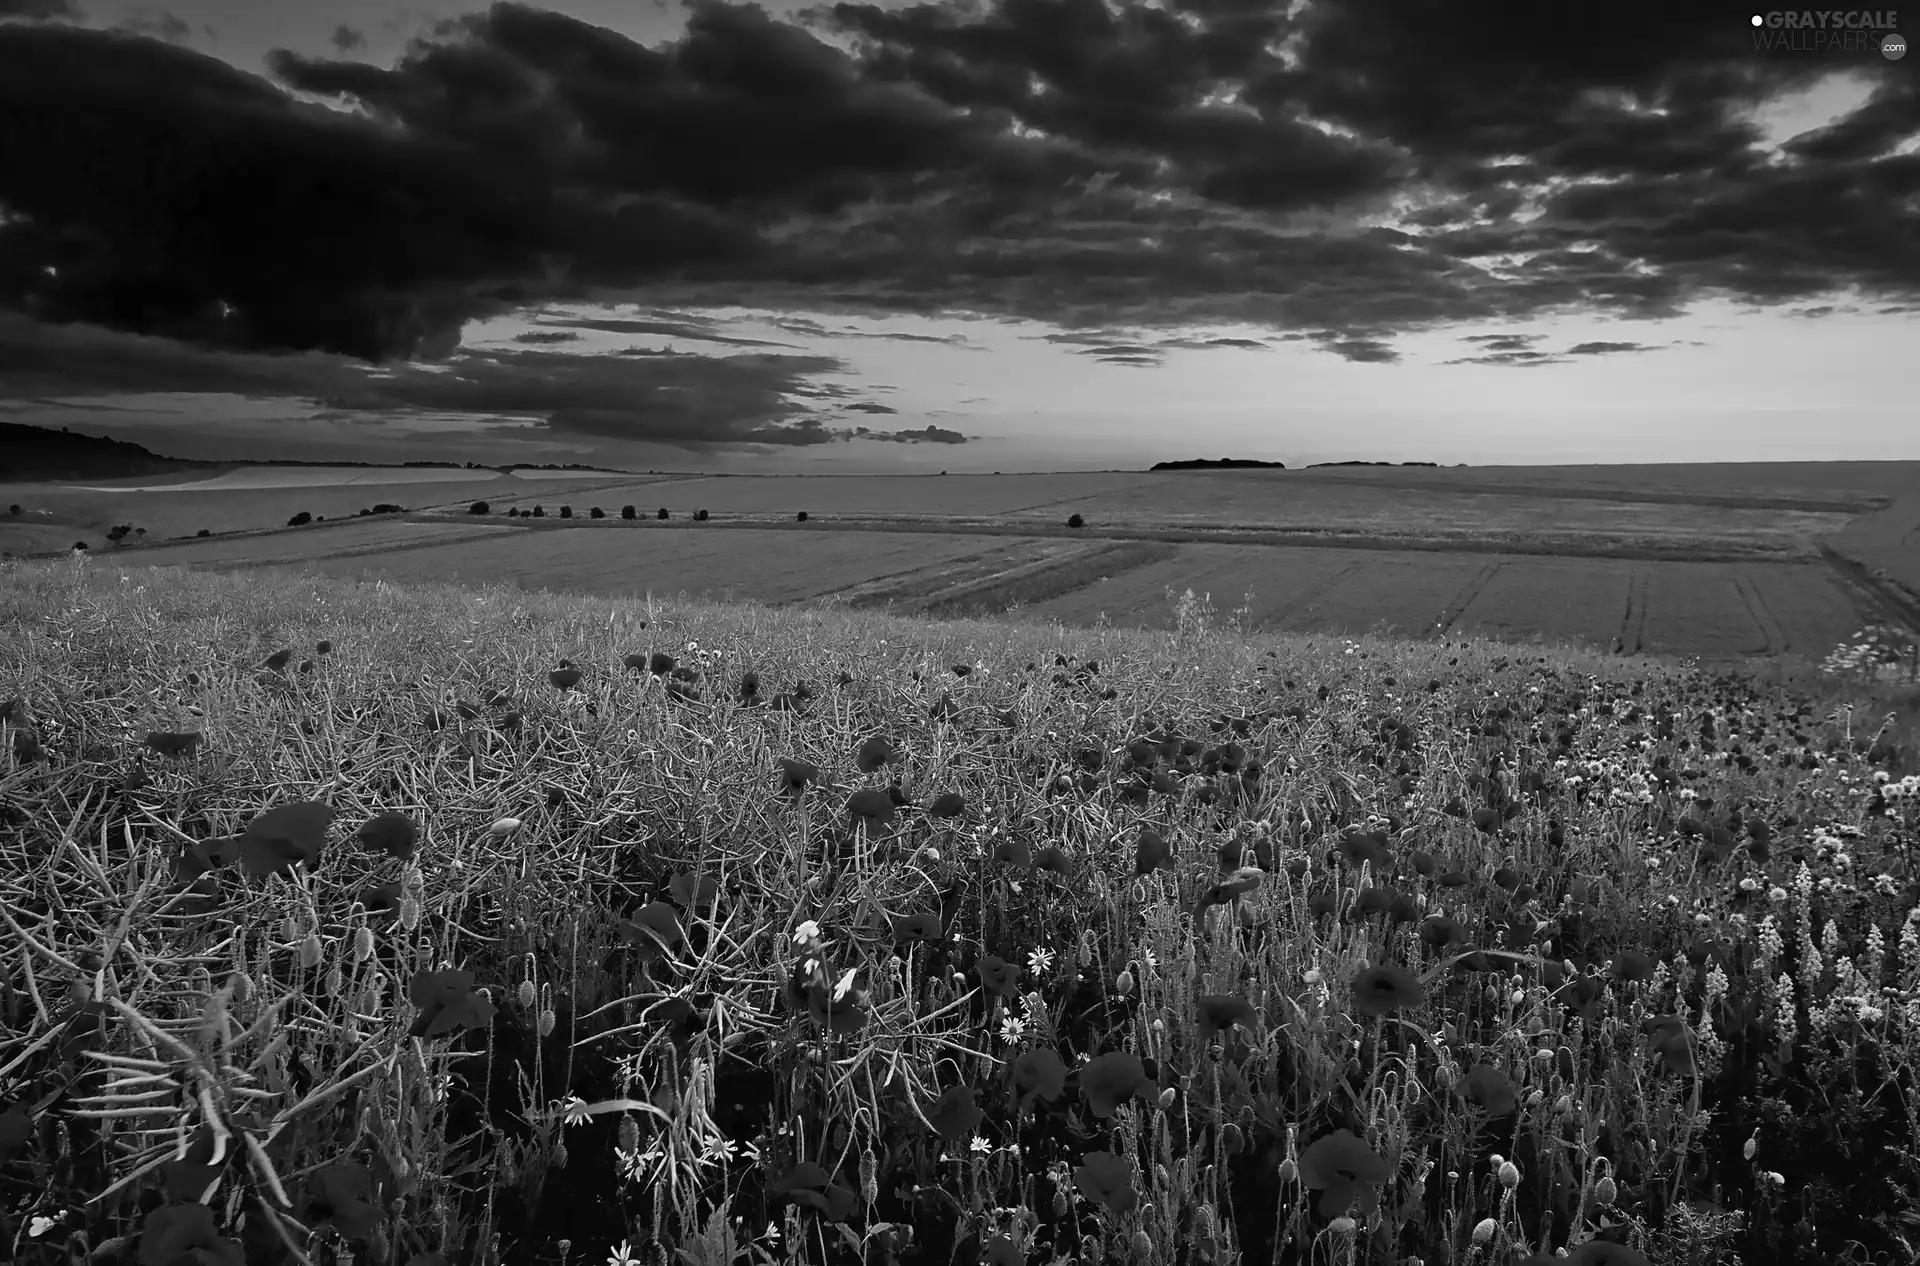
{"points": [[1013, 234]]}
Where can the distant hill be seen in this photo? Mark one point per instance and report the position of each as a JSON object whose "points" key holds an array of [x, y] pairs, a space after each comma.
{"points": [[29, 453], [1218, 463], [1317, 464]]}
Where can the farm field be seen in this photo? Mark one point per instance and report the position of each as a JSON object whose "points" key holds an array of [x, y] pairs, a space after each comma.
{"points": [[1886, 543], [913, 496], [1849, 483], [315, 541], [1283, 500], [745, 564], [55, 515], [455, 959]]}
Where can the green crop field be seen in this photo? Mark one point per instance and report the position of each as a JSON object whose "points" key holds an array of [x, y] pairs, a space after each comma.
{"points": [[416, 924]]}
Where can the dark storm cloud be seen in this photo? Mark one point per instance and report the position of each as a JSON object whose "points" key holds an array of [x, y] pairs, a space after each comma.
{"points": [[1607, 349], [39, 10], [1090, 164], [347, 40], [547, 336], [869, 406], [814, 329]]}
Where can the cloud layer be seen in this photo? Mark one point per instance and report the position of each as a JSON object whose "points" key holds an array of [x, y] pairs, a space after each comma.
{"points": [[1358, 171]]}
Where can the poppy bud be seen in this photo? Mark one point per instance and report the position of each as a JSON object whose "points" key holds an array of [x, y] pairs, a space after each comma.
{"points": [[1751, 1146], [334, 981], [311, 952], [1509, 1175], [526, 997], [1142, 1247], [1483, 1231], [546, 1022], [1231, 1139], [1563, 1106], [289, 930], [242, 987], [1606, 1191], [503, 828], [1123, 983], [1342, 1225], [1168, 1095], [1203, 1221], [409, 913], [869, 1178], [628, 1135], [362, 944], [1288, 1171]]}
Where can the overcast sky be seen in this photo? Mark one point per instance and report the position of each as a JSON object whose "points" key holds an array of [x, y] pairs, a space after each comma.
{"points": [[1012, 234]]}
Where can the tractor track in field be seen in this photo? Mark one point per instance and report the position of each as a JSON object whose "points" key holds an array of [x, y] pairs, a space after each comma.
{"points": [[1451, 613], [1773, 637], [1856, 578]]}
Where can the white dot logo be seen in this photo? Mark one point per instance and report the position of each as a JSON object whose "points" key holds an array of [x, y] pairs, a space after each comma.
{"points": [[1758, 20]]}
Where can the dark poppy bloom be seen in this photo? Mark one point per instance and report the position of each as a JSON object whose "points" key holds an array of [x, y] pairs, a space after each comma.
{"points": [[1672, 1041], [1347, 1171], [170, 743], [748, 692], [1632, 965], [1151, 853], [1038, 1072], [1218, 1012], [844, 1015], [278, 660], [637, 661], [284, 836], [1359, 846], [654, 926], [1455, 879], [1423, 862], [1322, 903], [875, 753], [1491, 1089], [945, 709], [948, 804], [796, 774], [1107, 1180], [954, 1115], [1002, 1250], [1013, 852], [1053, 858], [660, 663], [1384, 990], [1374, 899], [810, 1186], [565, 677], [447, 1001], [1439, 931], [1111, 1080], [871, 807], [917, 929], [323, 647], [187, 1233], [999, 976], [391, 833], [336, 1195], [694, 892]]}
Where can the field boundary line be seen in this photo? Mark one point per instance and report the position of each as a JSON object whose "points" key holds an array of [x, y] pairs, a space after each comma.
{"points": [[1773, 638], [1457, 606], [1857, 577]]}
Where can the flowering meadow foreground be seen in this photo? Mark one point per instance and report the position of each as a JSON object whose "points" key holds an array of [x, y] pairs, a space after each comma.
{"points": [[351, 924]]}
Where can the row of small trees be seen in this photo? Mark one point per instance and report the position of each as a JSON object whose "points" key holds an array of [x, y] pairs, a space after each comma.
{"points": [[566, 512]]}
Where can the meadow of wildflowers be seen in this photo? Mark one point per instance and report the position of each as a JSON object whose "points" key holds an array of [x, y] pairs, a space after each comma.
{"points": [[347, 923]]}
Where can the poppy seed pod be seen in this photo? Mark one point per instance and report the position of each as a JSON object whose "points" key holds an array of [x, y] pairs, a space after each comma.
{"points": [[1606, 1191], [311, 951], [362, 944], [526, 993], [547, 1022]]}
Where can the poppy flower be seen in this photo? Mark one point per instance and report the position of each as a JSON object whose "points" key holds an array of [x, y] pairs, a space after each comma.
{"points": [[565, 677], [188, 1178], [1221, 1011], [1151, 852], [278, 660], [283, 836], [655, 924], [796, 774], [947, 804], [1672, 1041], [1112, 1079], [1632, 965], [954, 1115], [1384, 990], [1013, 852], [1490, 1088], [1053, 858], [1438, 931], [187, 1233], [945, 709], [447, 1001], [694, 892], [846, 1014], [810, 1186], [337, 1194], [919, 928], [171, 743], [1347, 1170], [660, 663], [391, 833], [1002, 1250], [1107, 1180], [1038, 1072], [323, 647], [999, 976], [1360, 846], [875, 753], [872, 807]]}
